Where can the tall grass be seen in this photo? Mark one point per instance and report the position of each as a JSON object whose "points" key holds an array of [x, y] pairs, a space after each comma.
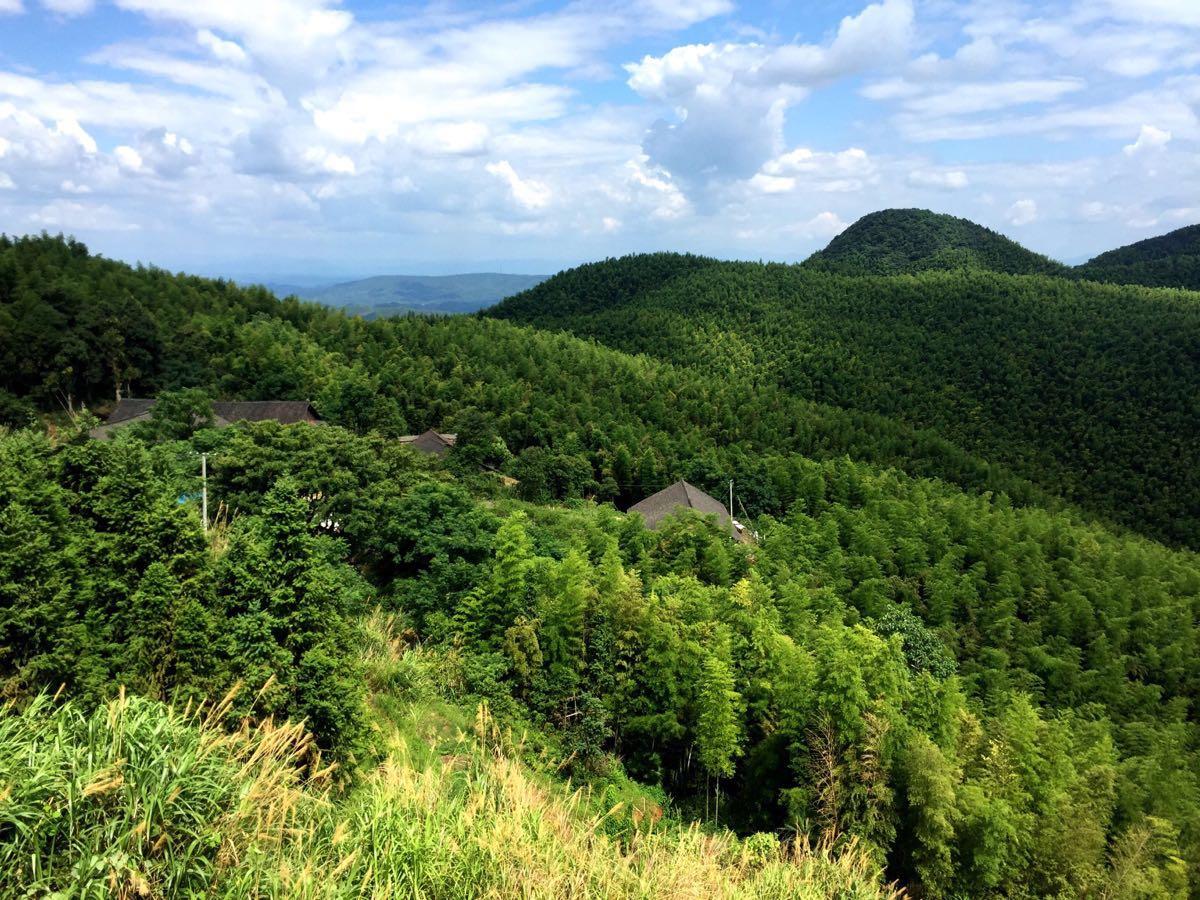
{"points": [[136, 799]]}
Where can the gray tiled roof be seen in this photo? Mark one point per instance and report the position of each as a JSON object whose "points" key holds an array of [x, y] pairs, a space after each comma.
{"points": [[431, 441], [658, 506], [225, 412]]}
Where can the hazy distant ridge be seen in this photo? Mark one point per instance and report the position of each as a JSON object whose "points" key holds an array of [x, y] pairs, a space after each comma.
{"points": [[389, 294]]}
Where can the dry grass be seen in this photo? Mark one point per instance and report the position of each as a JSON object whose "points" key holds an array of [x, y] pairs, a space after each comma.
{"points": [[140, 800]]}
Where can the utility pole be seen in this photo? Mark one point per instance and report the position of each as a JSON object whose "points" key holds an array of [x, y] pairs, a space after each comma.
{"points": [[204, 489], [732, 529]]}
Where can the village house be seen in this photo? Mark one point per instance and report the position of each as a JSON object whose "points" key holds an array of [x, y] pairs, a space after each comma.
{"points": [[435, 442], [225, 413], [682, 495]]}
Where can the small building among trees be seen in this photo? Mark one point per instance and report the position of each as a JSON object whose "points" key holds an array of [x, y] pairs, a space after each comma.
{"points": [[436, 442], [224, 413], [682, 495]]}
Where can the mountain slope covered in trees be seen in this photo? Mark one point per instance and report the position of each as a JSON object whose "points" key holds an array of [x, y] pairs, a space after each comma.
{"points": [[900, 241], [926, 669], [1171, 260], [1088, 390]]}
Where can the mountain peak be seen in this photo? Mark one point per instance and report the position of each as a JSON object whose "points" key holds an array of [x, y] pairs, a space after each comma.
{"points": [[900, 241]]}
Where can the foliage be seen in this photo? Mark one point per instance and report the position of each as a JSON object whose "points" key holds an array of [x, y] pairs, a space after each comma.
{"points": [[85, 809], [925, 665], [1170, 260], [1085, 389], [907, 241]]}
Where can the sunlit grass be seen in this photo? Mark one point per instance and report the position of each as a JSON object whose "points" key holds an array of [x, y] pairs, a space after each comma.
{"points": [[137, 799]]}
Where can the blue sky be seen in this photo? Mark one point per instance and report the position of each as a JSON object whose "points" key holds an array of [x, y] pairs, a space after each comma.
{"points": [[311, 137]]}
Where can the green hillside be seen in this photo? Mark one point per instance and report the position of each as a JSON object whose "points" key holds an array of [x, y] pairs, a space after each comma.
{"points": [[1171, 260], [899, 241], [925, 669], [1087, 390]]}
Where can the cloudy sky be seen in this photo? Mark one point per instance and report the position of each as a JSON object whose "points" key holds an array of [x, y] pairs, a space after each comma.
{"points": [[318, 137]]}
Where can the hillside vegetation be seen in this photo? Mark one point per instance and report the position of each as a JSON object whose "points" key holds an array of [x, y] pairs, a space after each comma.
{"points": [[1171, 260], [1087, 390], [906, 241], [924, 670]]}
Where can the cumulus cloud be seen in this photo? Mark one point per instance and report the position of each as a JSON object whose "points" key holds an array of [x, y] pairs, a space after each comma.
{"points": [[528, 194], [6, 182], [226, 51], [939, 179], [287, 122], [824, 225], [320, 159], [11, 7], [1023, 212], [1149, 138], [846, 170], [730, 99]]}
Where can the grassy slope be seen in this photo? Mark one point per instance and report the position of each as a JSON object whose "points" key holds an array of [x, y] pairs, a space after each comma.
{"points": [[141, 800]]}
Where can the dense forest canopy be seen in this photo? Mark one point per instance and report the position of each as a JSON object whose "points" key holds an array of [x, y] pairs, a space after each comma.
{"points": [[927, 669], [906, 241], [1086, 389], [1171, 260]]}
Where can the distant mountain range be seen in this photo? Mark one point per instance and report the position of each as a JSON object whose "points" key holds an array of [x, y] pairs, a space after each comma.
{"points": [[386, 295]]}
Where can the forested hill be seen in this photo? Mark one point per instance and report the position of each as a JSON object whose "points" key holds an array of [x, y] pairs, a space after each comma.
{"points": [[900, 679], [897, 241], [1089, 390], [76, 328], [1171, 260]]}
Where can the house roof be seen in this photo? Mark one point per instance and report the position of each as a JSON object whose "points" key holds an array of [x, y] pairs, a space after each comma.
{"points": [[680, 494], [225, 412], [431, 441], [128, 409], [286, 412]]}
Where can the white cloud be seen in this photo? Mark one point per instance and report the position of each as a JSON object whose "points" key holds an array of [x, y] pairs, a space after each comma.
{"points": [[69, 7], [1023, 212], [847, 170], [654, 186], [772, 184], [296, 31], [824, 225], [6, 182], [729, 100], [962, 99], [320, 159], [69, 215], [128, 159], [11, 7], [71, 129], [226, 51], [681, 13], [451, 139], [284, 123], [1148, 138], [1167, 12], [527, 193], [939, 179]]}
